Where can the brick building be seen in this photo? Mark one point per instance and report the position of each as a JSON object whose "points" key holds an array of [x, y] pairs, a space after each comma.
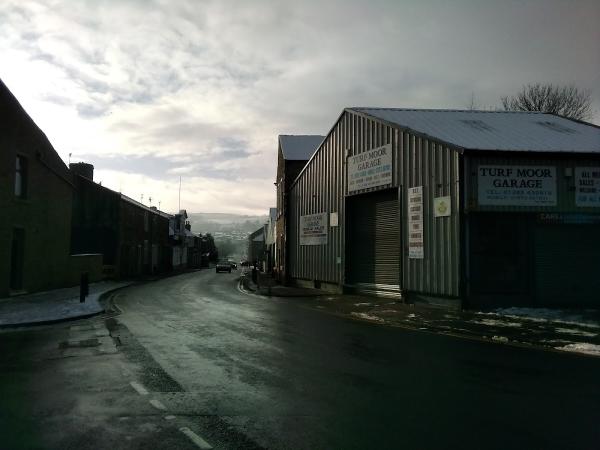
{"points": [[292, 155], [36, 192]]}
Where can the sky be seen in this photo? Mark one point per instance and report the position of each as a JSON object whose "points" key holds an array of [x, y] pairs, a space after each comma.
{"points": [[149, 91]]}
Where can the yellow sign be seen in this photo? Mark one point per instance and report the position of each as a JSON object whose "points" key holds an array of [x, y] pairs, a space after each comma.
{"points": [[442, 207]]}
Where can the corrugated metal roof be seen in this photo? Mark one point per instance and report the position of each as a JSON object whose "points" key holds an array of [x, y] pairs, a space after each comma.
{"points": [[495, 130], [299, 148]]}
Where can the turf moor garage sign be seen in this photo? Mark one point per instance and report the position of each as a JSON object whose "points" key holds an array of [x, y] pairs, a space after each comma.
{"points": [[516, 185], [370, 169]]}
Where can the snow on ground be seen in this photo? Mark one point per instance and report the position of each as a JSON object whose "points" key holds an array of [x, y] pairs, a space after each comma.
{"points": [[497, 323], [575, 331], [585, 318], [362, 304], [367, 316], [581, 347]]}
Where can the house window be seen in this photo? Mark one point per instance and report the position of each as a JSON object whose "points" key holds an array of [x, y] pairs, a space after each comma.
{"points": [[21, 177]]}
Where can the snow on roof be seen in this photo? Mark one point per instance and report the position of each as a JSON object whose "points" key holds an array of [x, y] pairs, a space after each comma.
{"points": [[299, 148], [495, 130]]}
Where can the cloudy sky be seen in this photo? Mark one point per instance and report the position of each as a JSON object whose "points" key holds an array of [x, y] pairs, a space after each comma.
{"points": [[149, 91]]}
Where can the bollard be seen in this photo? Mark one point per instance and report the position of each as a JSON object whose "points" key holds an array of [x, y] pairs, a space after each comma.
{"points": [[84, 287]]}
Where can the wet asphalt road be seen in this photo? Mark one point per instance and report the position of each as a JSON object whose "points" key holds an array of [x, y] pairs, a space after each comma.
{"points": [[194, 353]]}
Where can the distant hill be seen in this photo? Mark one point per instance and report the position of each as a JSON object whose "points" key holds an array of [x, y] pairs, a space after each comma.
{"points": [[225, 223]]}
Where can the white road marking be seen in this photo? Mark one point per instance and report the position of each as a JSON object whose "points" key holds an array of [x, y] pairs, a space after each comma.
{"points": [[170, 417], [195, 438], [158, 404], [139, 388]]}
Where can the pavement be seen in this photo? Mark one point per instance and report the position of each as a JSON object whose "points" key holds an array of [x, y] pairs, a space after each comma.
{"points": [[54, 306], [576, 331]]}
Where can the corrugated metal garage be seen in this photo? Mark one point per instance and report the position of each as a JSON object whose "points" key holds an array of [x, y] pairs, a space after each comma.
{"points": [[484, 205]]}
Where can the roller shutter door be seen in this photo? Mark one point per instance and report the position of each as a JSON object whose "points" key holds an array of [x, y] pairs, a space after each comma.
{"points": [[373, 243], [567, 265]]}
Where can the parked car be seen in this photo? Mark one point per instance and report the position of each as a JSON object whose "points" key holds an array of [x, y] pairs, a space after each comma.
{"points": [[223, 266]]}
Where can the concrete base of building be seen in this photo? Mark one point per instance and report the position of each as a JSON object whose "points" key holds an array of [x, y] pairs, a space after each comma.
{"points": [[317, 284], [434, 301], [375, 290]]}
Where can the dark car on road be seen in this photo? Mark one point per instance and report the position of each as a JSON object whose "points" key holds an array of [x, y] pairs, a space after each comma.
{"points": [[223, 266]]}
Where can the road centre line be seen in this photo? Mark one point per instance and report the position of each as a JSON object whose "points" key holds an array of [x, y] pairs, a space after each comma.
{"points": [[138, 387], [195, 438], [158, 404]]}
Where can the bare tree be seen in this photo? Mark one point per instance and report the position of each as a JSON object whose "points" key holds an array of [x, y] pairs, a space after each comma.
{"points": [[567, 101]]}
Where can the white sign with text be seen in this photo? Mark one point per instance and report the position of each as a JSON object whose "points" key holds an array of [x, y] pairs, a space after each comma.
{"points": [[313, 229], [516, 185], [415, 223], [370, 169], [587, 186]]}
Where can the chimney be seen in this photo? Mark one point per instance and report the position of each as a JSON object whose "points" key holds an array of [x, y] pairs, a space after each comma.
{"points": [[83, 169]]}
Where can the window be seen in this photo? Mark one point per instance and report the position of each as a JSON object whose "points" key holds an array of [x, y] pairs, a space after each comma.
{"points": [[21, 177]]}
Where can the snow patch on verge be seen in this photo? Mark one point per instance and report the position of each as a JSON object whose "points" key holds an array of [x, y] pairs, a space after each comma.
{"points": [[498, 323], [499, 338], [367, 316], [585, 318], [581, 347], [575, 331]]}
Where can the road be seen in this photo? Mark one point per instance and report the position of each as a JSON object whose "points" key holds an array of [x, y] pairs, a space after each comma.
{"points": [[192, 362]]}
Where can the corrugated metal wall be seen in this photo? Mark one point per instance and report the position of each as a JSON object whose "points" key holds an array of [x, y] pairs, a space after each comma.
{"points": [[321, 187], [435, 167]]}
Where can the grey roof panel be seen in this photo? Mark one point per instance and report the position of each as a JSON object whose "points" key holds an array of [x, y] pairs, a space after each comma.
{"points": [[495, 130], [299, 148]]}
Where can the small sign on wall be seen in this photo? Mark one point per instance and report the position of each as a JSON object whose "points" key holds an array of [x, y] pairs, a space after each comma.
{"points": [[333, 219], [313, 229], [415, 223], [442, 207], [587, 186]]}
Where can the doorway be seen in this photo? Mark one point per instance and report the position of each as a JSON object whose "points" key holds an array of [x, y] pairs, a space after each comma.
{"points": [[17, 258]]}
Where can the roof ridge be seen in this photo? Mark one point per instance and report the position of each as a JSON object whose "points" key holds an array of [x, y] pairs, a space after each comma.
{"points": [[359, 108]]}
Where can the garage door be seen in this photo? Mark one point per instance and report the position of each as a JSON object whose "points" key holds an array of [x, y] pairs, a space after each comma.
{"points": [[373, 243], [567, 269]]}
